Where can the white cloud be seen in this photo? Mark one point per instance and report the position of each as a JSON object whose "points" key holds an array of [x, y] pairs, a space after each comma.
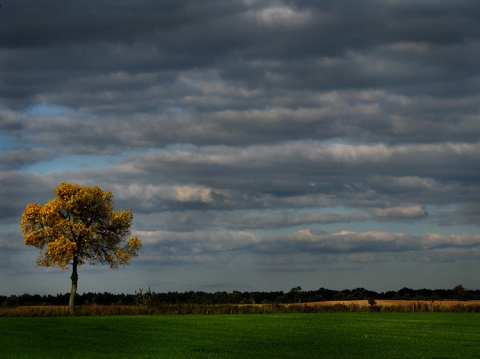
{"points": [[400, 212], [282, 16], [156, 193]]}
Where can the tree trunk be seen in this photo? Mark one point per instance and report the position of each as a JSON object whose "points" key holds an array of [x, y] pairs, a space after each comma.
{"points": [[73, 292]]}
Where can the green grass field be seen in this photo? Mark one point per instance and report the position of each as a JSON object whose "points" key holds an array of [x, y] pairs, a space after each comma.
{"points": [[328, 335]]}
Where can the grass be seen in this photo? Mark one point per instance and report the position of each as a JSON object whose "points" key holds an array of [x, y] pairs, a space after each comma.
{"points": [[328, 335], [311, 307]]}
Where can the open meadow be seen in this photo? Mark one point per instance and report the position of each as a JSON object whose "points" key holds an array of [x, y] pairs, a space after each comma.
{"points": [[323, 335]]}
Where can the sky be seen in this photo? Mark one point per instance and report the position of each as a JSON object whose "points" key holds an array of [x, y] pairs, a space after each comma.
{"points": [[260, 144]]}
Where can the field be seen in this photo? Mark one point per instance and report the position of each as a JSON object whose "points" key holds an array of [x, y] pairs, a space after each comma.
{"points": [[441, 306], [388, 302], [325, 335]]}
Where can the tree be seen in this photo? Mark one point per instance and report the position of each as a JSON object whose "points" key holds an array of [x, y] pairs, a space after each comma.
{"points": [[460, 292], [79, 225], [296, 292]]}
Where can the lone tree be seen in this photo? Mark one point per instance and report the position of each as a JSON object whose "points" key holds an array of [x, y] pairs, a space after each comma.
{"points": [[79, 225], [296, 292]]}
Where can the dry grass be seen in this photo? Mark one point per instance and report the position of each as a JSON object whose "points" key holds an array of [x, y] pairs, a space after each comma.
{"points": [[55, 311], [311, 307], [383, 305], [391, 302]]}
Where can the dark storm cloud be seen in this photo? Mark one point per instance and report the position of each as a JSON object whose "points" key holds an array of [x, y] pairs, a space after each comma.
{"points": [[21, 158], [386, 183], [272, 251], [134, 76], [19, 189], [315, 165], [262, 45], [243, 127], [375, 176], [240, 220]]}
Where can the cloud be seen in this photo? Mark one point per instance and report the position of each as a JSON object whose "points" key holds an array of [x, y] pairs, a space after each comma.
{"points": [[287, 249], [19, 189], [182, 193], [405, 212], [299, 136], [331, 170], [13, 160], [279, 16], [245, 220]]}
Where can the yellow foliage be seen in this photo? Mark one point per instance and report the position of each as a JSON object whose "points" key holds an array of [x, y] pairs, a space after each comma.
{"points": [[79, 223]]}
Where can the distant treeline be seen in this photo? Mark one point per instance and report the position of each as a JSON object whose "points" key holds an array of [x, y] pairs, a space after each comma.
{"points": [[295, 295]]}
